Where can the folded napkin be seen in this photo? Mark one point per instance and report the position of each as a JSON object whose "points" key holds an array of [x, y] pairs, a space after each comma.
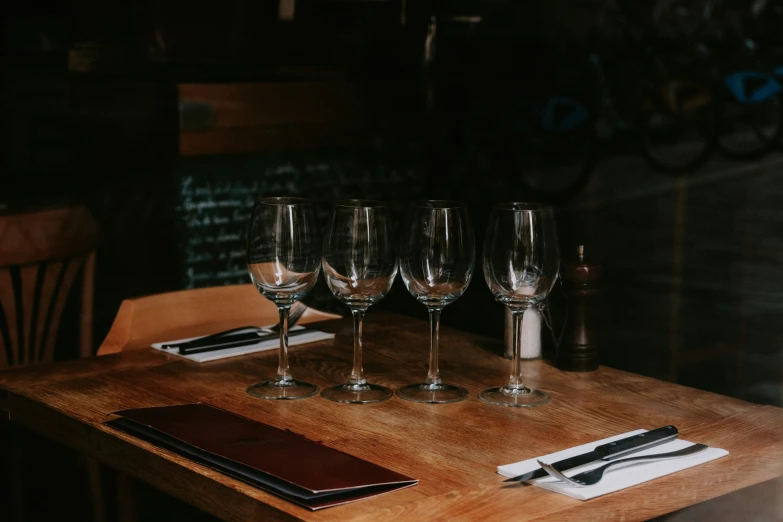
{"points": [[617, 477], [269, 344]]}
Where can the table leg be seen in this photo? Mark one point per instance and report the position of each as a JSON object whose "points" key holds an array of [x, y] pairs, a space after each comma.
{"points": [[126, 498], [94, 479], [15, 469]]}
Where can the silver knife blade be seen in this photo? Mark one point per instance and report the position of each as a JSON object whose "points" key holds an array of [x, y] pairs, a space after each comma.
{"points": [[606, 452]]}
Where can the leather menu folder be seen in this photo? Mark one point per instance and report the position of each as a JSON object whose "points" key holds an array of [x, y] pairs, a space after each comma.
{"points": [[279, 461]]}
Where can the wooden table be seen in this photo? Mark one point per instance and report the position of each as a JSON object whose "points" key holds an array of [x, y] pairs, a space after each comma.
{"points": [[453, 449]]}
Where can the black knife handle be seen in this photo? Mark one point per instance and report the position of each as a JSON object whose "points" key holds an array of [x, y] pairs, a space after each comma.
{"points": [[651, 438], [222, 341], [220, 345], [209, 339], [234, 341]]}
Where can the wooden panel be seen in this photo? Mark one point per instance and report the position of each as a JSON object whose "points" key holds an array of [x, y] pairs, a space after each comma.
{"points": [[51, 275], [259, 139], [8, 303], [69, 274], [453, 449], [273, 103], [9, 339], [243, 117], [88, 293], [29, 275]]}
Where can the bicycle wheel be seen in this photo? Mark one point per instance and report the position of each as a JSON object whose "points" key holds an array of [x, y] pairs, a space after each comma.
{"points": [[751, 115], [556, 152], [677, 126]]}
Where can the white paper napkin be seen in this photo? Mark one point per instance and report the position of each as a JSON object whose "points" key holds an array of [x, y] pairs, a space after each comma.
{"points": [[312, 336], [616, 478]]}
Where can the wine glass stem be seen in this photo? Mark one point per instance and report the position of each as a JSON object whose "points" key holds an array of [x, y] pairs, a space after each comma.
{"points": [[515, 380], [433, 376], [357, 374], [283, 373]]}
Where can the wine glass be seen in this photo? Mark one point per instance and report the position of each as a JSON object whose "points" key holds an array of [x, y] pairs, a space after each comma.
{"points": [[283, 251], [521, 264], [437, 255], [360, 266]]}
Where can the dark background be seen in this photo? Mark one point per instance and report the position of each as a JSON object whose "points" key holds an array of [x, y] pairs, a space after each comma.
{"points": [[691, 256]]}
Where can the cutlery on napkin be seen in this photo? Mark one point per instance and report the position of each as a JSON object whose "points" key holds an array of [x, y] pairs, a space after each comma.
{"points": [[606, 452], [236, 336], [240, 344], [221, 342], [622, 477]]}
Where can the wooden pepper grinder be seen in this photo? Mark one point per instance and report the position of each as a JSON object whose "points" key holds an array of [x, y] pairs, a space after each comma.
{"points": [[578, 351]]}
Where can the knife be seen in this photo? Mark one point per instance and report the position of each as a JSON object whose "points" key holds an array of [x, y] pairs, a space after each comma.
{"points": [[607, 452], [234, 341], [209, 339]]}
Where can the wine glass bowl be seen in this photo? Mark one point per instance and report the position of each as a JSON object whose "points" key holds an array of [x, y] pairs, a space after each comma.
{"points": [[355, 291], [521, 265], [281, 285], [283, 260], [437, 257], [360, 266], [521, 259]]}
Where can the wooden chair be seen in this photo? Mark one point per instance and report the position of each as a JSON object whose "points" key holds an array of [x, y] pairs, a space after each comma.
{"points": [[187, 313], [42, 253]]}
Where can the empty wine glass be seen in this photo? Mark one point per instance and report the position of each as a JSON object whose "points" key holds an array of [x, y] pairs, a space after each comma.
{"points": [[437, 255], [521, 264], [283, 254], [360, 266]]}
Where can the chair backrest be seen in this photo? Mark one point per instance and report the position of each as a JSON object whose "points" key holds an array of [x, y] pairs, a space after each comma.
{"points": [[189, 313], [41, 254]]}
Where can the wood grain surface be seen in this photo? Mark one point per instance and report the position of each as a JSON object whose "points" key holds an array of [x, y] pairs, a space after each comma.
{"points": [[452, 449]]}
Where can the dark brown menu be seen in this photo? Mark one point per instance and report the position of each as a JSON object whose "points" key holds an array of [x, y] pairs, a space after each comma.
{"points": [[279, 461]]}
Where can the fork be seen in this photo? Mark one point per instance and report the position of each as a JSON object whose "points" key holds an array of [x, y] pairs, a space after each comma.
{"points": [[296, 312], [588, 478]]}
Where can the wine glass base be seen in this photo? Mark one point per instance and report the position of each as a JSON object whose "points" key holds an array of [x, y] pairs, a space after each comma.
{"points": [[285, 390], [432, 393], [357, 393], [519, 398]]}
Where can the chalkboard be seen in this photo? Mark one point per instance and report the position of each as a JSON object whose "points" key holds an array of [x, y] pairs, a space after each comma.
{"points": [[216, 194]]}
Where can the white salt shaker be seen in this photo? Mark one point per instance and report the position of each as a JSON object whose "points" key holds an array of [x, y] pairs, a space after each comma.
{"points": [[531, 334]]}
